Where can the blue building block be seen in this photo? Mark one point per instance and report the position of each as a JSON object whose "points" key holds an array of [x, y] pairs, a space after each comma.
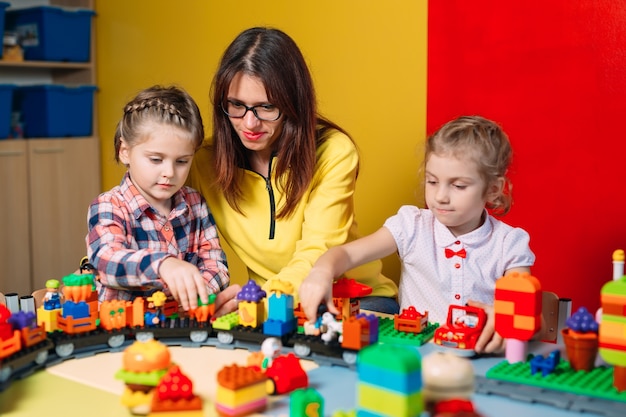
{"points": [[279, 328], [78, 310], [280, 307]]}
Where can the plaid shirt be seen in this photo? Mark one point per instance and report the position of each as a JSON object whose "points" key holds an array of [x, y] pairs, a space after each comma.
{"points": [[128, 240]]}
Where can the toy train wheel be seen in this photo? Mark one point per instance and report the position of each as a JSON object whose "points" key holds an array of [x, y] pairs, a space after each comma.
{"points": [[144, 336], [349, 357], [41, 357], [5, 373], [116, 340], [302, 350], [225, 338], [64, 350], [198, 336]]}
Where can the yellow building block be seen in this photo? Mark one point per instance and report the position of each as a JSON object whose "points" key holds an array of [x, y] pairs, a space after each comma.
{"points": [[384, 402], [48, 318], [251, 314]]}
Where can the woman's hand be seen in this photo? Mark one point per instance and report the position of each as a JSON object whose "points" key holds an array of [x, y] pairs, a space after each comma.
{"points": [[489, 341]]}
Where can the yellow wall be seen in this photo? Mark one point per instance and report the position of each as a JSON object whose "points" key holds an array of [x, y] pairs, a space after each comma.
{"points": [[368, 60]]}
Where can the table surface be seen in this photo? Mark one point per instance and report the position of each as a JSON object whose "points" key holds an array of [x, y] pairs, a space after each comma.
{"points": [[87, 386]]}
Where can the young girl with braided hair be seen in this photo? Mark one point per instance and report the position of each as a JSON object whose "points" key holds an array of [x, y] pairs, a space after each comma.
{"points": [[152, 232]]}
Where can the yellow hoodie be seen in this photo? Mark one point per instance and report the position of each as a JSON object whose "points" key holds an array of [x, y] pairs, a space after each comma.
{"points": [[288, 247]]}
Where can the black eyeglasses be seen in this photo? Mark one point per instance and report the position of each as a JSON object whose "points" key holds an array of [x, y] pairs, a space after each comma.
{"points": [[266, 112]]}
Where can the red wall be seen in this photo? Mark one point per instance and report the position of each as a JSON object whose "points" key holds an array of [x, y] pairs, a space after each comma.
{"points": [[553, 74]]}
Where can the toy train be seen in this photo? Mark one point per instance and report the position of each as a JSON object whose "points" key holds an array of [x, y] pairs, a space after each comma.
{"points": [[69, 322]]}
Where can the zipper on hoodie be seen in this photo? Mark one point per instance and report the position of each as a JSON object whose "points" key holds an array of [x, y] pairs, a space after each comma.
{"points": [[270, 192]]}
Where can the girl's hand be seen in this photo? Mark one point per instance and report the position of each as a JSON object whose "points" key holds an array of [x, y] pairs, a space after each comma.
{"points": [[184, 281], [489, 341], [226, 301], [316, 289]]}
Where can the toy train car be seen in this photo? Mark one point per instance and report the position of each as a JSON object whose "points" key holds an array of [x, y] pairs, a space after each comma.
{"points": [[74, 324]]}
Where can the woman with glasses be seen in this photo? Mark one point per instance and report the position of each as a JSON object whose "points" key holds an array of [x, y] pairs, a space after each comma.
{"points": [[278, 177]]}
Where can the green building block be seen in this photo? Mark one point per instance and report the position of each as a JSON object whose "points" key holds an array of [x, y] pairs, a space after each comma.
{"points": [[387, 333], [595, 383]]}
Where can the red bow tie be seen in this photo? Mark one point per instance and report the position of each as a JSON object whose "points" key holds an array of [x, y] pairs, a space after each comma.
{"points": [[450, 253]]}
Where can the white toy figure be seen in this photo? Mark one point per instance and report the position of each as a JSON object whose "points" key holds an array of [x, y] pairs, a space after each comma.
{"points": [[271, 348], [332, 328]]}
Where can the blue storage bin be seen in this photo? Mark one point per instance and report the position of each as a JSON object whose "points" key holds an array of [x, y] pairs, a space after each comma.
{"points": [[49, 33], [3, 6], [56, 110], [6, 102]]}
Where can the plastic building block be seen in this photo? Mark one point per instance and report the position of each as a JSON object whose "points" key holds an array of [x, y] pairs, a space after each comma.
{"points": [[226, 322], [251, 313], [78, 287], [350, 288], [596, 383], [286, 374], [581, 340], [612, 336], [517, 306], [410, 320], [345, 289], [545, 364], [618, 264], [280, 307], [391, 388], [356, 333], [462, 329], [144, 365], [47, 318], [279, 328], [388, 334], [251, 292], [240, 391], [78, 310], [306, 402], [175, 393]]}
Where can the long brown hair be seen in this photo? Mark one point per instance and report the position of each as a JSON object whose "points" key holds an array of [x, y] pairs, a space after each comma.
{"points": [[274, 58]]}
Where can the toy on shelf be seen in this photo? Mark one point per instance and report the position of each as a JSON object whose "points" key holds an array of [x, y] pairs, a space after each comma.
{"points": [[517, 307], [447, 379], [462, 329], [581, 340]]}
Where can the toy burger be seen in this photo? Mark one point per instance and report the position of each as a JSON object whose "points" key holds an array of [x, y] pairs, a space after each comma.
{"points": [[144, 365]]}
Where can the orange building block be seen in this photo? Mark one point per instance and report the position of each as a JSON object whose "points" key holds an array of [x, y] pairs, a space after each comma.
{"points": [[517, 306]]}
